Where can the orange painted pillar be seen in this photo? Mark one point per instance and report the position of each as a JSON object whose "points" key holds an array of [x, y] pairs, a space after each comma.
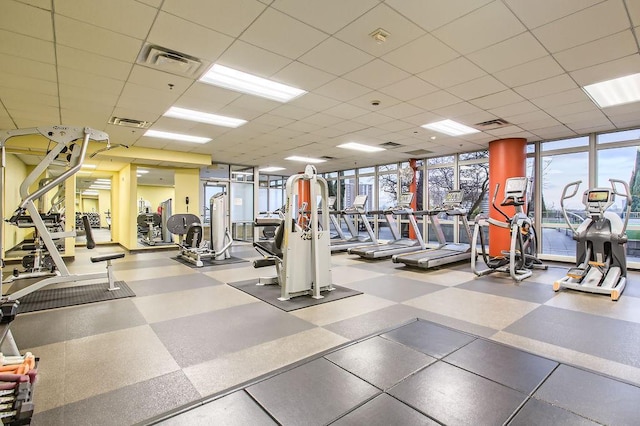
{"points": [[413, 188], [304, 196], [507, 158]]}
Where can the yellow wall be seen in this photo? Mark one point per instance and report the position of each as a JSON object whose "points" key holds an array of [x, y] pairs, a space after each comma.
{"points": [[104, 204], [15, 172], [154, 194], [125, 209], [187, 184], [90, 205]]}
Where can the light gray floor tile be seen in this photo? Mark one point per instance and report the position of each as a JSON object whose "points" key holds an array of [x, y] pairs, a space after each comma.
{"points": [[315, 393], [235, 409], [343, 275], [429, 338], [381, 362], [526, 290], [394, 288], [595, 397], [171, 269], [342, 309], [135, 262], [626, 308], [383, 266], [540, 413], [127, 405], [170, 284], [466, 326], [511, 367], [57, 325], [442, 276], [384, 410], [603, 337], [199, 338], [456, 397]]}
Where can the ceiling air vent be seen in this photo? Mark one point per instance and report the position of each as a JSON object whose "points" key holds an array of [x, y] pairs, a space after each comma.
{"points": [[419, 152], [390, 144], [129, 122], [169, 60], [492, 124]]}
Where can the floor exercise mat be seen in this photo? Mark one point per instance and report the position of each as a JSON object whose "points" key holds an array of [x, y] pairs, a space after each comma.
{"points": [[270, 294], [41, 300], [214, 262]]}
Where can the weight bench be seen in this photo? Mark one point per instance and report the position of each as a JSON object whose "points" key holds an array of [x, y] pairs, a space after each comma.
{"points": [[108, 258]]}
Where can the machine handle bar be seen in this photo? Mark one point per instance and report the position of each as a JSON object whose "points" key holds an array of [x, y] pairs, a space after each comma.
{"points": [[627, 195], [575, 185], [493, 203]]}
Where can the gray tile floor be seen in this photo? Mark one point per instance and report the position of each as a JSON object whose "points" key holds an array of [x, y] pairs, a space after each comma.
{"points": [[187, 335]]}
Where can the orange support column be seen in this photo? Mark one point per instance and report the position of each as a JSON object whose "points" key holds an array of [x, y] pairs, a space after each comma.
{"points": [[304, 196], [507, 158], [413, 188]]}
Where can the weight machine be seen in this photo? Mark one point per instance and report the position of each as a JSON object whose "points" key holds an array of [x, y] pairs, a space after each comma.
{"points": [[601, 260], [69, 149], [152, 227], [189, 230], [521, 257], [301, 251]]}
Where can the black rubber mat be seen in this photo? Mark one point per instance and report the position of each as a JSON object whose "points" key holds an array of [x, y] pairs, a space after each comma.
{"points": [[213, 262], [270, 294], [69, 296]]}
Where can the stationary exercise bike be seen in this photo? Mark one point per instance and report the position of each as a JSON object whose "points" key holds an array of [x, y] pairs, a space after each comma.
{"points": [[521, 257], [601, 260]]}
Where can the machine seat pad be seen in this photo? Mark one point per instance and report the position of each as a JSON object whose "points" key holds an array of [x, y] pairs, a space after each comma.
{"points": [[108, 256], [269, 247]]}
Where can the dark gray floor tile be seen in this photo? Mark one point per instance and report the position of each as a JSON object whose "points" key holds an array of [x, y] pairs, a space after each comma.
{"points": [[607, 338], [170, 284], [590, 395], [384, 410], [456, 397], [395, 288], [540, 413], [384, 266], [373, 322], [315, 393], [632, 288], [429, 338], [198, 338], [237, 409], [526, 290], [381, 362], [137, 261], [511, 367], [460, 325], [57, 325], [124, 406]]}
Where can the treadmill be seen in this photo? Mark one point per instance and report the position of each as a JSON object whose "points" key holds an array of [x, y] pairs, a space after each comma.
{"points": [[398, 245], [331, 210], [445, 253], [356, 240]]}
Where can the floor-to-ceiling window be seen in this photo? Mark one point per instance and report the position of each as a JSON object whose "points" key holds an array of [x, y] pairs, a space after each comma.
{"points": [[440, 180]]}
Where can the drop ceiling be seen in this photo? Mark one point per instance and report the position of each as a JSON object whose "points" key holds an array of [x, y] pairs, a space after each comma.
{"points": [[73, 62]]}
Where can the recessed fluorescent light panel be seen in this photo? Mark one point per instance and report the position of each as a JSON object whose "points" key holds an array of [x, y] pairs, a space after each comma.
{"points": [[99, 187], [176, 136], [204, 117], [90, 193], [361, 147], [271, 169], [305, 159], [619, 91], [240, 81], [142, 171], [450, 127], [89, 166]]}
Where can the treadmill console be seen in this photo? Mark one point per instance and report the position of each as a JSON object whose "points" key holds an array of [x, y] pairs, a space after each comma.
{"points": [[597, 201], [452, 198], [331, 202], [405, 200], [516, 187], [360, 201]]}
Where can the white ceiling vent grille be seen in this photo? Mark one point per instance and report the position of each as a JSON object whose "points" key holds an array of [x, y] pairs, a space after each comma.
{"points": [[129, 122], [169, 61]]}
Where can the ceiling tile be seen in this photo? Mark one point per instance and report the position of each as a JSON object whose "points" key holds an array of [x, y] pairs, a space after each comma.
{"points": [[536, 70], [478, 29], [79, 79], [205, 97], [100, 96], [535, 125], [183, 36], [152, 3], [346, 111], [514, 109], [87, 37], [314, 102], [293, 112], [540, 12], [91, 63], [561, 98], [496, 100], [477, 88], [598, 52], [322, 119], [504, 131], [28, 84], [273, 31], [613, 69], [457, 110], [302, 76], [376, 74], [42, 4], [28, 68], [143, 98], [26, 20], [435, 100], [254, 103], [27, 47], [401, 110], [555, 132], [509, 53], [159, 80], [590, 24], [455, 72], [230, 18], [561, 111], [7, 94], [122, 16], [596, 117], [546, 87], [342, 90], [412, 58], [401, 31], [335, 56], [302, 126], [633, 6], [422, 118], [528, 117], [430, 14], [252, 59], [409, 88], [372, 119], [328, 15], [368, 101]]}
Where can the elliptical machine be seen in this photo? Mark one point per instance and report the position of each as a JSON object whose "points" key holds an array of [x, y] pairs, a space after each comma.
{"points": [[601, 260], [521, 257]]}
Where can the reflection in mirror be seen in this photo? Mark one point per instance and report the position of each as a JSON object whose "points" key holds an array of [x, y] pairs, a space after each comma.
{"points": [[93, 199], [155, 194]]}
